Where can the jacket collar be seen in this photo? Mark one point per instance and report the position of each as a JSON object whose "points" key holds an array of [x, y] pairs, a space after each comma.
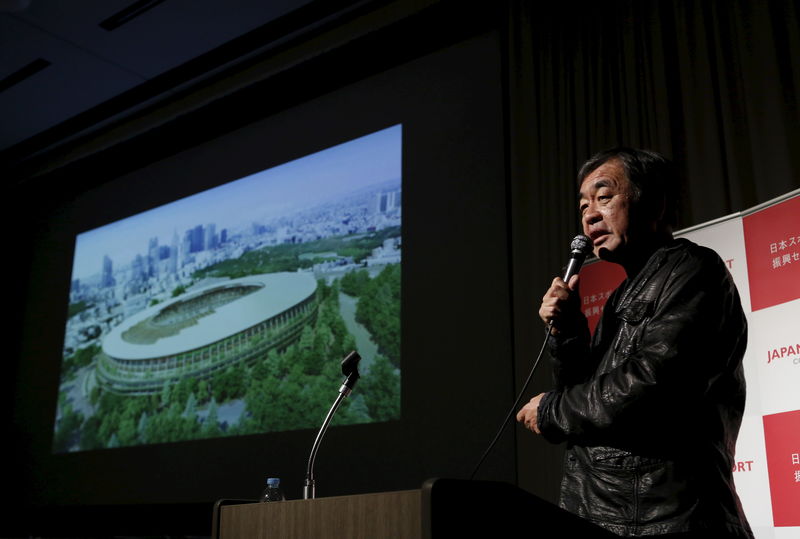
{"points": [[635, 289]]}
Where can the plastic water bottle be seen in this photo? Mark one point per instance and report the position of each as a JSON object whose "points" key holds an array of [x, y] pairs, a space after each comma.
{"points": [[273, 492]]}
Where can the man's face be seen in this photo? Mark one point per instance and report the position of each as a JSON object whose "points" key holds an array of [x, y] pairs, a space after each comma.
{"points": [[605, 206]]}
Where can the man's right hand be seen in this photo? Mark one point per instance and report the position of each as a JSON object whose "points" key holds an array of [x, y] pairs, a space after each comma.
{"points": [[561, 304]]}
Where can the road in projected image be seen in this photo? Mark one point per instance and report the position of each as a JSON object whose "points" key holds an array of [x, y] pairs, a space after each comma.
{"points": [[228, 312]]}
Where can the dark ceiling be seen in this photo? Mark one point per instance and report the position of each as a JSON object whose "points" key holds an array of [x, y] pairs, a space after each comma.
{"points": [[60, 59]]}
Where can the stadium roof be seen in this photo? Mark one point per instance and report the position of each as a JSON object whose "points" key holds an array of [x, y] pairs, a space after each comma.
{"points": [[278, 292]]}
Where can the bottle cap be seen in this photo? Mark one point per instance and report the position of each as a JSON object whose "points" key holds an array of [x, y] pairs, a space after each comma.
{"points": [[273, 482]]}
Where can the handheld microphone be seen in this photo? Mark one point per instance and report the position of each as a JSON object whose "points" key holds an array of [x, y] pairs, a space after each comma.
{"points": [[580, 247]]}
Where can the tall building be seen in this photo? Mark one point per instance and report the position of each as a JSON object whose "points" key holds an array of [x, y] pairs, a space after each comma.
{"points": [[138, 268], [173, 254], [197, 239], [210, 240], [388, 200], [152, 258], [107, 279]]}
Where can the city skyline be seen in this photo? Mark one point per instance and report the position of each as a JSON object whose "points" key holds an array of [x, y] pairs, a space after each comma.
{"points": [[290, 188]]}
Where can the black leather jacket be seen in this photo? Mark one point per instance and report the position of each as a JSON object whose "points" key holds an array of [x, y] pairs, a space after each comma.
{"points": [[650, 407]]}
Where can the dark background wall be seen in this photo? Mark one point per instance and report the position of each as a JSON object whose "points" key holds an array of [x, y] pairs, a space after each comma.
{"points": [[503, 101]]}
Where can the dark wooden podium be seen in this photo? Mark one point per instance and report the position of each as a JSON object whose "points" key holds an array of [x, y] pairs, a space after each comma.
{"points": [[442, 508]]}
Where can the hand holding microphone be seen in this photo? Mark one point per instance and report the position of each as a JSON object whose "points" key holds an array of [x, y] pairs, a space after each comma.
{"points": [[561, 303]]}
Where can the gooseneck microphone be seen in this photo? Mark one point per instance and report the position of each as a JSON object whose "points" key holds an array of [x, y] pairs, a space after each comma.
{"points": [[579, 248], [350, 370]]}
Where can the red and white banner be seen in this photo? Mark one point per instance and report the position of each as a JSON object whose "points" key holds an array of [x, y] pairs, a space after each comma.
{"points": [[761, 248]]}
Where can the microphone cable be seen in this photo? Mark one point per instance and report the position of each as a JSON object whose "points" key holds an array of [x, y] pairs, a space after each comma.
{"points": [[579, 246], [515, 405]]}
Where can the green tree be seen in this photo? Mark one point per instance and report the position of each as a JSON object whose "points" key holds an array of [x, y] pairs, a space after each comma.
{"points": [[90, 438], [181, 390], [170, 426], [127, 431], [191, 407], [381, 390], [354, 282], [307, 354], [178, 290], [68, 429], [324, 339], [203, 394], [260, 370], [379, 311], [82, 357], [210, 427], [142, 427], [230, 384], [284, 404], [165, 393], [75, 308], [357, 412], [109, 425]]}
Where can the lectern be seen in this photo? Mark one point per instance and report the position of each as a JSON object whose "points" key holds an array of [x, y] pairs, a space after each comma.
{"points": [[442, 508]]}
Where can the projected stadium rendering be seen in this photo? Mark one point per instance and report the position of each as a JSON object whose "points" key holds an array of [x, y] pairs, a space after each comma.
{"points": [[179, 331], [215, 327]]}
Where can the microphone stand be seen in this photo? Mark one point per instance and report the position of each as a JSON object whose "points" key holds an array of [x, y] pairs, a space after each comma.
{"points": [[350, 370]]}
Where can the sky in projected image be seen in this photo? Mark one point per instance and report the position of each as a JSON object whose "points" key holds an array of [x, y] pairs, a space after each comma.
{"points": [[275, 192], [227, 312]]}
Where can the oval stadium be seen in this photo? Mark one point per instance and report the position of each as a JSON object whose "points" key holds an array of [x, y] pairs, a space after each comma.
{"points": [[206, 330]]}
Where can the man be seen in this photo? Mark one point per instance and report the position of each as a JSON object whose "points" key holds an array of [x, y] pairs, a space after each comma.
{"points": [[650, 405]]}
